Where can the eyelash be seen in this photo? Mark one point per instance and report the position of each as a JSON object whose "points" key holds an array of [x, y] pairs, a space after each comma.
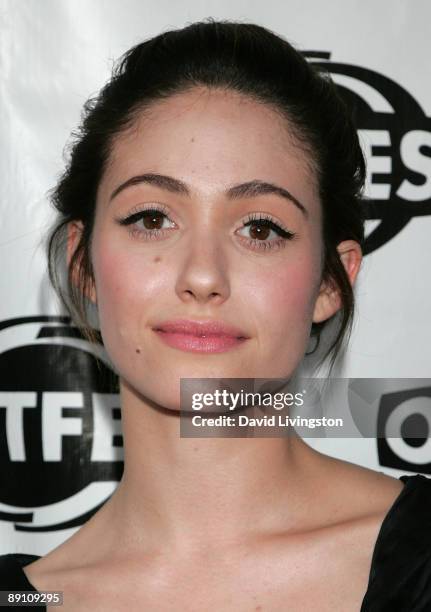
{"points": [[262, 220]]}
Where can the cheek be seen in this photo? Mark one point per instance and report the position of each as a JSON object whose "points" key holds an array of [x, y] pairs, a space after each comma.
{"points": [[126, 286], [292, 294], [290, 291], [284, 304]]}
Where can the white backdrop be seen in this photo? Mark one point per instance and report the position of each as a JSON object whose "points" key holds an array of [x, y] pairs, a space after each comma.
{"points": [[54, 54]]}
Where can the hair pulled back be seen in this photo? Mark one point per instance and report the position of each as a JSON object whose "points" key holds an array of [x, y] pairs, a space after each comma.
{"points": [[244, 58]]}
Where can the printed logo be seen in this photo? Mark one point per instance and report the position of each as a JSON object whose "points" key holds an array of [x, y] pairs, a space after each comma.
{"points": [[397, 412], [60, 425], [395, 136]]}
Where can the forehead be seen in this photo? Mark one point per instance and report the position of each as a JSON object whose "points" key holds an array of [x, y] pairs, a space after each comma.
{"points": [[211, 138]]}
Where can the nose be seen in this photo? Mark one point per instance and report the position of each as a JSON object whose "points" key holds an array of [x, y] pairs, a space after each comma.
{"points": [[203, 273]]}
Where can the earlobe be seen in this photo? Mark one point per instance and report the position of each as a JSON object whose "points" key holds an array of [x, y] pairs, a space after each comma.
{"points": [[329, 300], [74, 233]]}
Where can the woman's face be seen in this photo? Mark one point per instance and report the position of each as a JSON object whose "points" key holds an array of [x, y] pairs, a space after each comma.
{"points": [[195, 259]]}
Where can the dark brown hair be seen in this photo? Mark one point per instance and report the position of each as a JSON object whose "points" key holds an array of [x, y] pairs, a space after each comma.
{"points": [[242, 57]]}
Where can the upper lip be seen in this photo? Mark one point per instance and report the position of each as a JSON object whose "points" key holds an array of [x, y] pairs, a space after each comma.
{"points": [[196, 327]]}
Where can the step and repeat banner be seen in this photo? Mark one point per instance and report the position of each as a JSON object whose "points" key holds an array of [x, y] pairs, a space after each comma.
{"points": [[61, 450]]}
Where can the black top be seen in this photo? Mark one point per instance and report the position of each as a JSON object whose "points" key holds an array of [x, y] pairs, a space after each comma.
{"points": [[400, 575]]}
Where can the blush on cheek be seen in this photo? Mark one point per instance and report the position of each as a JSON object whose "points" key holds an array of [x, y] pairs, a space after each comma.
{"points": [[288, 309], [294, 290], [112, 279], [300, 292], [116, 291], [129, 288]]}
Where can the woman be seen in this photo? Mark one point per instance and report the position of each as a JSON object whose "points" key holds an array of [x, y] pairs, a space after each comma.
{"points": [[216, 180]]}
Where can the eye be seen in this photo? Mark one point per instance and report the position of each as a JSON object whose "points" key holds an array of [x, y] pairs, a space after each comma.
{"points": [[260, 226], [147, 222]]}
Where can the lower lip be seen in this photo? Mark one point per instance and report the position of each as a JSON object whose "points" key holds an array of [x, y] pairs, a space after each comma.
{"points": [[199, 344]]}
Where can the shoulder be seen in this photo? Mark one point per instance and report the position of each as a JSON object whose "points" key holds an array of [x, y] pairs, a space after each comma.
{"points": [[350, 493], [11, 573], [401, 565]]}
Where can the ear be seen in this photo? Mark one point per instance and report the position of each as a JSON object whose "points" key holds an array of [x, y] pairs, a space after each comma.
{"points": [[329, 301], [74, 232]]}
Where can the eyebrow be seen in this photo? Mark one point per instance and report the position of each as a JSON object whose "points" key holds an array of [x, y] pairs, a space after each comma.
{"points": [[250, 189]]}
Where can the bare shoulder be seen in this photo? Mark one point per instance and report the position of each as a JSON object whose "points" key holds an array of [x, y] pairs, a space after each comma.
{"points": [[67, 567], [351, 491], [353, 504], [372, 490], [85, 586]]}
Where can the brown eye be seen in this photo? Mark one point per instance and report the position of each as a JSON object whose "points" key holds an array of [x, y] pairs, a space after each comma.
{"points": [[260, 229], [147, 223], [259, 232], [152, 220]]}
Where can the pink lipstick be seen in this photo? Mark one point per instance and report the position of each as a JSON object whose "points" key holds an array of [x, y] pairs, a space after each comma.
{"points": [[200, 336]]}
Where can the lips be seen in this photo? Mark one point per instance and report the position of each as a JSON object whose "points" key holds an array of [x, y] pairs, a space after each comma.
{"points": [[213, 328]]}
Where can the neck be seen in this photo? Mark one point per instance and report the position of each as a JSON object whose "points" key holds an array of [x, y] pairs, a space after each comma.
{"points": [[186, 492]]}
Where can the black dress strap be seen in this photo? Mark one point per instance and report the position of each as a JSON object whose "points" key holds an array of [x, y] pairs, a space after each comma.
{"points": [[12, 577], [400, 575]]}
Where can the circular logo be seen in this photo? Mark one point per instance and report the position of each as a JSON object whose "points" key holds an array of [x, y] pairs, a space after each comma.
{"points": [[395, 136], [60, 427], [397, 412]]}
